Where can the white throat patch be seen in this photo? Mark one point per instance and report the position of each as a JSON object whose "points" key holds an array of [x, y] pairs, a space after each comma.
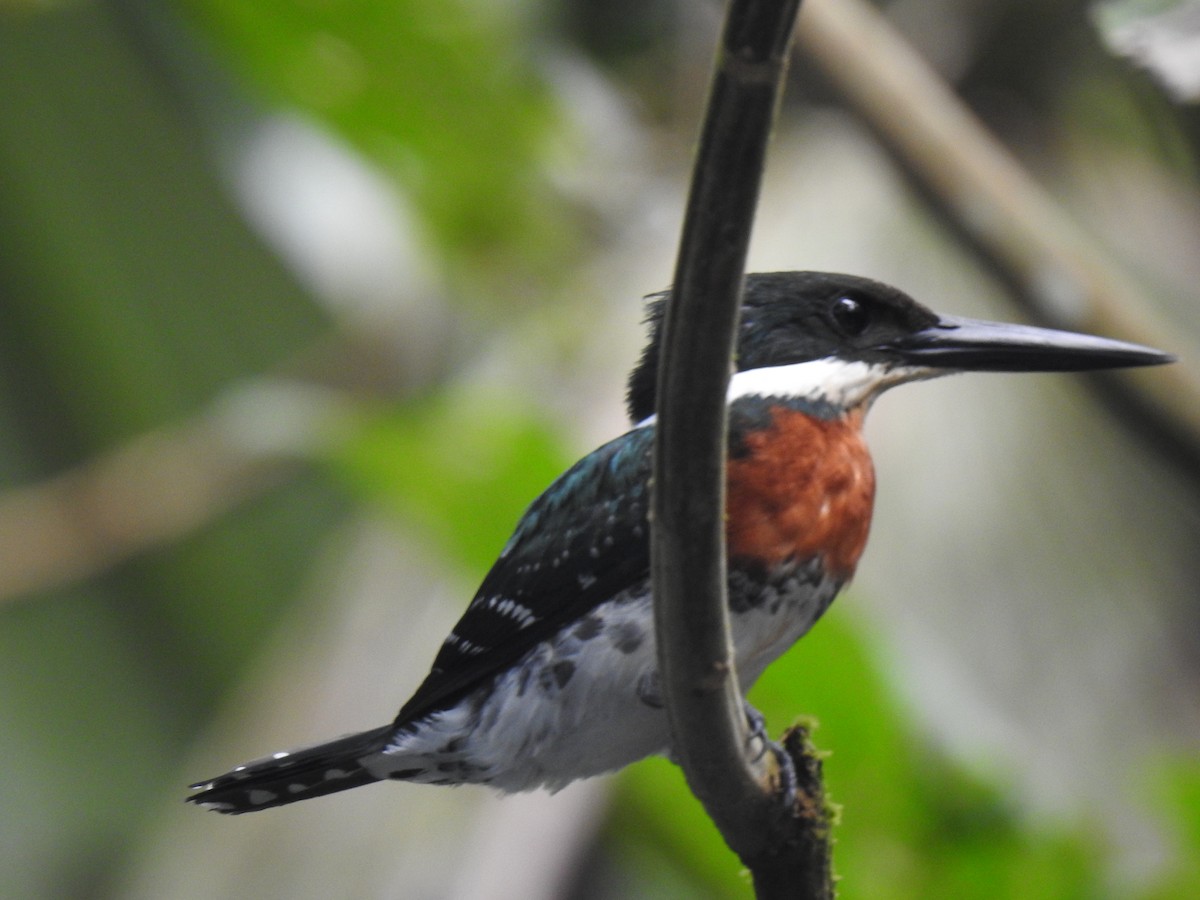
{"points": [[839, 382]]}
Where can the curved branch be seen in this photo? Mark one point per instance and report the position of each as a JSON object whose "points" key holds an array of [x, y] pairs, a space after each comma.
{"points": [[710, 739]]}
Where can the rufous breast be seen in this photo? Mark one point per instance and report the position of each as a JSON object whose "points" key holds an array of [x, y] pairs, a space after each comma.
{"points": [[801, 486]]}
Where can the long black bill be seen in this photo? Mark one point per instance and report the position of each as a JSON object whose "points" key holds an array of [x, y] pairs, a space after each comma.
{"points": [[978, 346]]}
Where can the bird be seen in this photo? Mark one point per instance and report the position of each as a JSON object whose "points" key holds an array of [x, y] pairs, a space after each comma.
{"points": [[551, 673]]}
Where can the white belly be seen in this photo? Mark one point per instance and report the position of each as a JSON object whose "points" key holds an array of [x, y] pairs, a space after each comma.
{"points": [[587, 701]]}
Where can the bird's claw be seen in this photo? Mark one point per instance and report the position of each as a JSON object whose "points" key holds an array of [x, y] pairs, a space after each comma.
{"points": [[756, 723], [788, 781]]}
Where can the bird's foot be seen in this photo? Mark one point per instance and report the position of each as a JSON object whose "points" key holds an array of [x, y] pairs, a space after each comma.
{"points": [[760, 742]]}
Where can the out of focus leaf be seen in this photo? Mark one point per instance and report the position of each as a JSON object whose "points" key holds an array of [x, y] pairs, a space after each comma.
{"points": [[1175, 790], [1161, 36], [130, 294], [445, 96], [463, 466], [913, 825]]}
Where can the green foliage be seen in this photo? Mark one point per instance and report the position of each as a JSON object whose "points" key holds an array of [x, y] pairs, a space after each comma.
{"points": [[133, 294], [464, 466], [445, 96], [1175, 790], [912, 824], [131, 290]]}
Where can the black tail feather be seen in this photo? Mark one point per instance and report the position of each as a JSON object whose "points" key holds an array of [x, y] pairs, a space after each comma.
{"points": [[298, 775]]}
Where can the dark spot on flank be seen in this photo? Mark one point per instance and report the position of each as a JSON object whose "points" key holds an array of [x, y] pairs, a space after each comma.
{"points": [[588, 628], [649, 691], [563, 670], [404, 774], [626, 636]]}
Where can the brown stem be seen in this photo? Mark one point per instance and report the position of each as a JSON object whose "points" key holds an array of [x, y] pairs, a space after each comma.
{"points": [[709, 732]]}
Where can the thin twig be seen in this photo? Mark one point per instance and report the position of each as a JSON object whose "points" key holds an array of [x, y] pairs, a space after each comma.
{"points": [[708, 727], [1058, 272], [171, 482], [156, 489]]}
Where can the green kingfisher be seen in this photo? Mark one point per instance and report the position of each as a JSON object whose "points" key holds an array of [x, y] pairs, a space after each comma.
{"points": [[550, 674]]}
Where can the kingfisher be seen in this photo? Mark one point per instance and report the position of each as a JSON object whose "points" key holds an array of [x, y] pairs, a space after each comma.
{"points": [[551, 673]]}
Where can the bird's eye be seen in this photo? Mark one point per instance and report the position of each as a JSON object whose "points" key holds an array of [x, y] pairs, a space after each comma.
{"points": [[850, 315]]}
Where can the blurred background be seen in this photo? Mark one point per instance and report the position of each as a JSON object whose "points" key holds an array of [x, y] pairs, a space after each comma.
{"points": [[302, 302]]}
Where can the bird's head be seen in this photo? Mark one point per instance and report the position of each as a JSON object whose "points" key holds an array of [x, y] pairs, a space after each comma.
{"points": [[842, 339]]}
